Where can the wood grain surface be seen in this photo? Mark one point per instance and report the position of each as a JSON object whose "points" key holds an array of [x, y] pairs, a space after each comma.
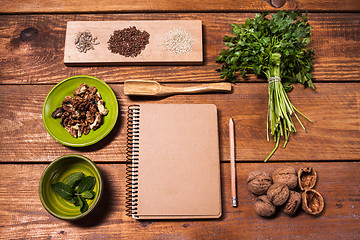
{"points": [[32, 48], [333, 107], [38, 6], [21, 211], [32, 40], [155, 52]]}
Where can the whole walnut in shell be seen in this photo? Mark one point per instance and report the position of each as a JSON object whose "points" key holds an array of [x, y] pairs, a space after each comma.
{"points": [[263, 206], [293, 203], [258, 182], [278, 193], [286, 175]]}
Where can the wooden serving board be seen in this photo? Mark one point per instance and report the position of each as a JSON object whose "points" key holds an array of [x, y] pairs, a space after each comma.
{"points": [[154, 53]]}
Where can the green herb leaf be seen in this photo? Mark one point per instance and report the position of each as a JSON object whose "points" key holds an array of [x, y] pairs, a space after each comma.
{"points": [[272, 47], [88, 194], [63, 190], [80, 201], [74, 179], [84, 205], [76, 200], [87, 184]]}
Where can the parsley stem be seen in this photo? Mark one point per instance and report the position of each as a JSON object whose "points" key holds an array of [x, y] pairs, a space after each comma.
{"points": [[273, 151], [276, 47], [280, 108]]}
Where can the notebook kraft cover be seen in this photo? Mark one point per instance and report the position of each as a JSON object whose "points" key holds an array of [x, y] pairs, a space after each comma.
{"points": [[179, 163]]}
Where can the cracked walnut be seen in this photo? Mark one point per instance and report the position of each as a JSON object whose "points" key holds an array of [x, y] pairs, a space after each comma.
{"points": [[83, 112]]}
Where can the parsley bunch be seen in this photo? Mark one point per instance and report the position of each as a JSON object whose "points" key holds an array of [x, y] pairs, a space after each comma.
{"points": [[274, 48]]}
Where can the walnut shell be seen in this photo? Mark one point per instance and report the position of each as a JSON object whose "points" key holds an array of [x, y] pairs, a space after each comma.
{"points": [[312, 202], [293, 203], [278, 193], [307, 178], [258, 182], [286, 175], [263, 206]]}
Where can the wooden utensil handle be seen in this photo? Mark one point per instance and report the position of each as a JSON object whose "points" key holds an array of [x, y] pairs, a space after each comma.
{"points": [[202, 88]]}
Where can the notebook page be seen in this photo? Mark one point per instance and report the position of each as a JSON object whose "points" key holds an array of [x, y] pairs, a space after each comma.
{"points": [[179, 166]]}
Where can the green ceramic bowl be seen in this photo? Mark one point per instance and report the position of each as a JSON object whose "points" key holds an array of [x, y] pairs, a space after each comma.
{"points": [[65, 88], [58, 171]]}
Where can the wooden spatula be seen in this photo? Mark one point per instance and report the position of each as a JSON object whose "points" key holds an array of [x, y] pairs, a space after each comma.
{"points": [[153, 88]]}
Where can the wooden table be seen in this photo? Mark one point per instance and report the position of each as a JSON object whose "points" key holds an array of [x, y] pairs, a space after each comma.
{"points": [[32, 65]]}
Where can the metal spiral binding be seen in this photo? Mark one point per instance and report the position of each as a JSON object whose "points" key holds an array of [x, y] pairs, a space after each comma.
{"points": [[132, 159]]}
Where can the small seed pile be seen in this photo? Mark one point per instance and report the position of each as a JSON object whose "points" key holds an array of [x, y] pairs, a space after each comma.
{"points": [[85, 41], [178, 41], [128, 42]]}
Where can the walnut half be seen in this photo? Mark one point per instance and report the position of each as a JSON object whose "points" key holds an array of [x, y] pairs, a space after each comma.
{"points": [[312, 202]]}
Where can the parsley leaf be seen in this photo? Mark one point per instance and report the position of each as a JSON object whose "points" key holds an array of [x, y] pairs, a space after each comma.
{"points": [[274, 48]]}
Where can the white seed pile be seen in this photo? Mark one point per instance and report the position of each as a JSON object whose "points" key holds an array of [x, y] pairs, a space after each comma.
{"points": [[178, 41], [85, 41]]}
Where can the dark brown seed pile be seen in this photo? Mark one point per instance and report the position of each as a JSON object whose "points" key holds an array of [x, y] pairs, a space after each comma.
{"points": [[128, 42]]}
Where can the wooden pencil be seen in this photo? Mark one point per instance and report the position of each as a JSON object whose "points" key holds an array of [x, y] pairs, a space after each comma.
{"points": [[232, 162]]}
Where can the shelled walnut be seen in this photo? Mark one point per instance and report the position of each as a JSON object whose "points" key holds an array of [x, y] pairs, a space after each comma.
{"points": [[286, 175], [258, 182], [83, 112], [278, 193]]}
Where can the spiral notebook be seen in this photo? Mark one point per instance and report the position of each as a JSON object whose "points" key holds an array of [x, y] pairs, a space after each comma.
{"points": [[173, 164]]}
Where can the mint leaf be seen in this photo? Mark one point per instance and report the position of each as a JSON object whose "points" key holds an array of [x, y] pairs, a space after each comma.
{"points": [[80, 201], [76, 201], [71, 201], [88, 194], [74, 179], [87, 184], [63, 190], [84, 207], [76, 189]]}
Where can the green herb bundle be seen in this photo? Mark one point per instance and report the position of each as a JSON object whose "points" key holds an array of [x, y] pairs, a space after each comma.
{"points": [[274, 48], [76, 189]]}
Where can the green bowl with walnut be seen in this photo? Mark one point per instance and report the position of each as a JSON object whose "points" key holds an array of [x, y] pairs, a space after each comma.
{"points": [[65, 88], [58, 171]]}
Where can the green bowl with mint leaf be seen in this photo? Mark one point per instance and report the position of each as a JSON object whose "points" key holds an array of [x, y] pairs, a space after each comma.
{"points": [[70, 187]]}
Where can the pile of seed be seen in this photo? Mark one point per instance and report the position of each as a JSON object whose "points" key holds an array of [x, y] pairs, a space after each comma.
{"points": [[178, 41], [85, 41], [128, 42]]}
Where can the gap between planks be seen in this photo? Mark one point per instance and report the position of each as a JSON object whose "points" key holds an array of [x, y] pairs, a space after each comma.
{"points": [[221, 162]]}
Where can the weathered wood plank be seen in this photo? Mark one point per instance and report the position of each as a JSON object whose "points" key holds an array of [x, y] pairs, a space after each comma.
{"points": [[333, 135], [39, 6], [23, 216], [155, 52], [38, 57]]}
